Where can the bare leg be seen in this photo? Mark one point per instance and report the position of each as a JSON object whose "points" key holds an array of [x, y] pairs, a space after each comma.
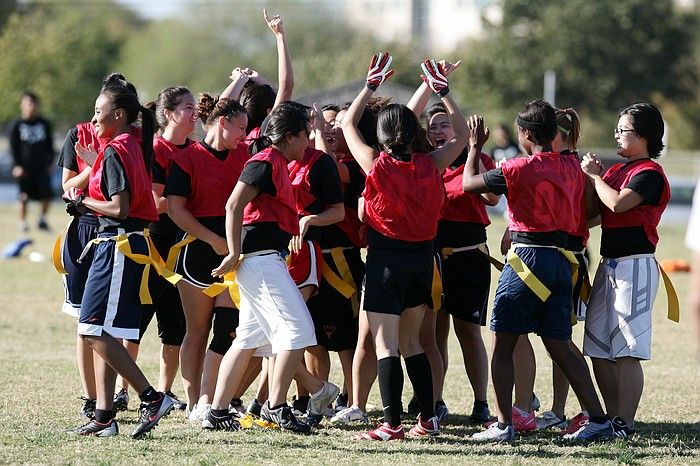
{"points": [[364, 364], [286, 364], [231, 370], [502, 374], [45, 204], [606, 376], [133, 349], [169, 363], [475, 356], [114, 354], [86, 368], [318, 361], [442, 333], [105, 378], [251, 373], [525, 368], [346, 359], [210, 371], [263, 386], [429, 345], [629, 387]]}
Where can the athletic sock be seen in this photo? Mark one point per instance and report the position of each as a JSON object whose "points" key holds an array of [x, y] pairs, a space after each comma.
{"points": [[281, 405], [390, 376], [503, 426], [480, 403], [219, 412], [418, 369], [103, 416], [598, 419], [150, 394]]}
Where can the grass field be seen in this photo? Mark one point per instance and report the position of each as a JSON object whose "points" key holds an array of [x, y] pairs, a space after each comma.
{"points": [[39, 391]]}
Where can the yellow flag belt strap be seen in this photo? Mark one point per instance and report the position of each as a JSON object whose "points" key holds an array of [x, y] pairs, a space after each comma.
{"points": [[343, 281], [529, 278]]}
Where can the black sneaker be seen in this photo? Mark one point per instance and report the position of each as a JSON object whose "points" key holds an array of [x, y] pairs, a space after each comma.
{"points": [[285, 418], [177, 403], [236, 407], [621, 429], [254, 408], [43, 225], [97, 429], [300, 405], [480, 413], [341, 402], [87, 411], [151, 413], [227, 423], [413, 408], [121, 400]]}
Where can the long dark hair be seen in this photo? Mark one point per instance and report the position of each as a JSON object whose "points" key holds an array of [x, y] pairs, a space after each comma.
{"points": [[539, 118], [169, 98], [122, 94], [648, 124], [287, 118], [397, 130], [258, 100]]}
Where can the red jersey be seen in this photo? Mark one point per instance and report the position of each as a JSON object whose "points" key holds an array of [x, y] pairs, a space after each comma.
{"points": [[403, 199], [252, 136], [643, 215], [279, 208], [211, 180], [128, 148], [164, 152], [460, 206], [299, 172], [545, 192]]}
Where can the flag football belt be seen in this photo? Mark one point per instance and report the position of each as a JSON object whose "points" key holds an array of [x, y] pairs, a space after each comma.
{"points": [[152, 259], [529, 278], [56, 256], [481, 247], [585, 292], [672, 304], [342, 282], [229, 283]]}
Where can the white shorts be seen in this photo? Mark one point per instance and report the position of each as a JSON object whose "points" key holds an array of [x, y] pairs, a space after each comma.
{"points": [[273, 312], [618, 318]]}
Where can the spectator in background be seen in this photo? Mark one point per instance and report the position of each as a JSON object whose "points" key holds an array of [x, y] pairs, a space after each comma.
{"points": [[31, 146], [692, 242], [506, 148]]}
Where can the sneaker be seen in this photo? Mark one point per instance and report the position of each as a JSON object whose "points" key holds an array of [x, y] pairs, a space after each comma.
{"points": [[121, 400], [178, 404], [22, 226], [97, 429], [319, 401], [227, 423], [591, 432], [285, 418], [576, 423], [349, 415], [254, 408], [535, 403], [480, 413], [199, 412], [521, 423], [236, 407], [151, 413], [441, 410], [496, 435], [621, 429], [383, 432], [87, 410], [549, 420], [300, 405], [341, 402], [429, 427], [413, 408], [42, 225]]}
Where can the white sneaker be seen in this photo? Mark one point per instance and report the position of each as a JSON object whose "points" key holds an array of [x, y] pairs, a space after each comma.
{"points": [[495, 435], [319, 401], [199, 412], [549, 420], [349, 415]]}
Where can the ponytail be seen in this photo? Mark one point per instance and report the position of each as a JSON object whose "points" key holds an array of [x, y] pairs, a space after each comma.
{"points": [[149, 126], [569, 126]]}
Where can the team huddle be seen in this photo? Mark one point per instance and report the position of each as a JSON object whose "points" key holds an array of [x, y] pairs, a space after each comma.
{"points": [[289, 232]]}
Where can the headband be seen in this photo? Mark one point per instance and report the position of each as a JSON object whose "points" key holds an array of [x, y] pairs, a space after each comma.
{"points": [[531, 125]]}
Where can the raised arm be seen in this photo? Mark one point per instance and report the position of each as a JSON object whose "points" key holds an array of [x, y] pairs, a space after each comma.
{"points": [[421, 97], [379, 71], [238, 79], [472, 179], [285, 73], [319, 124], [617, 201]]}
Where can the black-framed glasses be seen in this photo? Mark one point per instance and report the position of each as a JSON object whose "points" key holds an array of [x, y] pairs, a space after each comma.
{"points": [[622, 130]]}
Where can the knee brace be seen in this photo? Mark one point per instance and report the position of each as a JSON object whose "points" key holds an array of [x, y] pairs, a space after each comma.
{"points": [[224, 326]]}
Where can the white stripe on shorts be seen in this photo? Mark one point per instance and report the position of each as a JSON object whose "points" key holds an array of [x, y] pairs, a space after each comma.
{"points": [[115, 285]]}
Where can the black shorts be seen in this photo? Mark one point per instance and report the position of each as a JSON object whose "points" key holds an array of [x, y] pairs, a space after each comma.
{"points": [[396, 279], [334, 315], [466, 280], [167, 305], [37, 187], [80, 232], [196, 261]]}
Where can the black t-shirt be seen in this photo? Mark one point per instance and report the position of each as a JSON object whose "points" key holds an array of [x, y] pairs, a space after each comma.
{"points": [[263, 235], [326, 188], [31, 145], [67, 157], [627, 241], [460, 234], [496, 181]]}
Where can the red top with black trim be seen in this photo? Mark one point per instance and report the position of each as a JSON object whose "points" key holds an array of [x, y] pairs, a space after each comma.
{"points": [[299, 172], [128, 148], [164, 152], [279, 208], [403, 199], [460, 206], [211, 180], [545, 192], [643, 215], [87, 136]]}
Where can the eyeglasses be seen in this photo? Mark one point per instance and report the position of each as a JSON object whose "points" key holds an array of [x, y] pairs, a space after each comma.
{"points": [[622, 130]]}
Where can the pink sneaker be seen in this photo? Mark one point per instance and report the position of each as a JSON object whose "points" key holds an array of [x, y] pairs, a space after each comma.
{"points": [[429, 427], [520, 423], [576, 423], [383, 432]]}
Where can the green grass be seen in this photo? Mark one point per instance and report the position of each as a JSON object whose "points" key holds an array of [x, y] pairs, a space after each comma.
{"points": [[39, 391]]}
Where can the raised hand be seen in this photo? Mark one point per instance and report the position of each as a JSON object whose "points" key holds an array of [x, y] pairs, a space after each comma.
{"points": [[87, 154], [591, 165], [478, 132], [229, 264], [449, 67], [274, 23], [434, 75], [379, 70]]}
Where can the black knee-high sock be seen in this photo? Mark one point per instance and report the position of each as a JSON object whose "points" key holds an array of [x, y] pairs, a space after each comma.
{"points": [[390, 376], [418, 368]]}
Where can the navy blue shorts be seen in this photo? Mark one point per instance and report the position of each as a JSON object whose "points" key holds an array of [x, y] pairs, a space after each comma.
{"points": [[111, 301], [334, 315], [518, 310], [466, 280], [396, 279], [81, 231]]}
